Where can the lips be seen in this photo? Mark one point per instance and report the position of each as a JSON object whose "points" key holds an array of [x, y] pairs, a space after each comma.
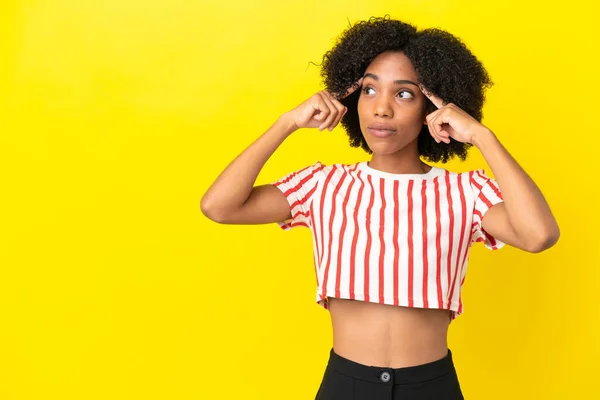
{"points": [[381, 130]]}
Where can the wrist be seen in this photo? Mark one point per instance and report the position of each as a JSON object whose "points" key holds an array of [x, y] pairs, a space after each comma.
{"points": [[481, 136], [287, 124]]}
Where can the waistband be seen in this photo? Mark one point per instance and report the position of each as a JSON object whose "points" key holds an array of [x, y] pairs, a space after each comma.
{"points": [[391, 376]]}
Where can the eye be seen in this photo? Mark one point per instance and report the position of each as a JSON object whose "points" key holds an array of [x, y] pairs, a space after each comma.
{"points": [[366, 89], [405, 94]]}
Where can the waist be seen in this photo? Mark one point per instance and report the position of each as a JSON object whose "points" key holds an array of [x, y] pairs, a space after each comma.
{"points": [[379, 374], [388, 336]]}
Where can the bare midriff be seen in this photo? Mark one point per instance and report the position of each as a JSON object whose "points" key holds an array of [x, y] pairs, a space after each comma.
{"points": [[388, 336]]}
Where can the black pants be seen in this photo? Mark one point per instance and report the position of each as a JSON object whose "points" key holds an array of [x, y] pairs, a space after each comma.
{"points": [[348, 380]]}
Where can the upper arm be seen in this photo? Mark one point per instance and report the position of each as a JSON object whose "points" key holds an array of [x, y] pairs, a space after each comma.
{"points": [[489, 207], [497, 225], [299, 190], [266, 204], [491, 224], [285, 201]]}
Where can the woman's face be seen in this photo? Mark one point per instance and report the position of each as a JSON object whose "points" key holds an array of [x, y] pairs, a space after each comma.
{"points": [[391, 107]]}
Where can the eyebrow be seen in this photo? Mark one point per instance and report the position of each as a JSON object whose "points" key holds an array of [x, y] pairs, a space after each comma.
{"points": [[397, 82]]}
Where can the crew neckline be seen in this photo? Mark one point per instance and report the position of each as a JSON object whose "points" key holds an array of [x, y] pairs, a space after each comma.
{"points": [[433, 172]]}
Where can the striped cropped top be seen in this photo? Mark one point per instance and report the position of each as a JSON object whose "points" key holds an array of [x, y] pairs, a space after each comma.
{"points": [[398, 239]]}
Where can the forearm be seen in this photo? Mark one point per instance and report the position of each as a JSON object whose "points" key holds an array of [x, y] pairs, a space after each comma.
{"points": [[233, 186], [528, 212]]}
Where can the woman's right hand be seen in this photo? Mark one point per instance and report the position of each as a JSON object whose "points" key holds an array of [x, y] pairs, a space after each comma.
{"points": [[320, 110]]}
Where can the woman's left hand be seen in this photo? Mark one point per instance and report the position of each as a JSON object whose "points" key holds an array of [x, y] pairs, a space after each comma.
{"points": [[450, 121]]}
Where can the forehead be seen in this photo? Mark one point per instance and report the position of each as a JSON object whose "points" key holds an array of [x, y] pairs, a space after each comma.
{"points": [[392, 66]]}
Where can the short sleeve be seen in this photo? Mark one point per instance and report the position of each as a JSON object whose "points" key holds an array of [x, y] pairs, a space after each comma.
{"points": [[486, 194], [298, 188]]}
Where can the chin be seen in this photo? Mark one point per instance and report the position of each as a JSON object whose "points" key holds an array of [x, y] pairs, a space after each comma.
{"points": [[382, 148]]}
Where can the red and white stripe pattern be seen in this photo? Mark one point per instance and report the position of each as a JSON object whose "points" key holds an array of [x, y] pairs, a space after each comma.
{"points": [[398, 239]]}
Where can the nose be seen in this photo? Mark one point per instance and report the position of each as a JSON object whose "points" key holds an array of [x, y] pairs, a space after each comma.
{"points": [[383, 108]]}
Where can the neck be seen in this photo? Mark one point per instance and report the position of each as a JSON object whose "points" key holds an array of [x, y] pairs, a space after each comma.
{"points": [[404, 161]]}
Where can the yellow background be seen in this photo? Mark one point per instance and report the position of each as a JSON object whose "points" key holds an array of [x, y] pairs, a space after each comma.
{"points": [[116, 116]]}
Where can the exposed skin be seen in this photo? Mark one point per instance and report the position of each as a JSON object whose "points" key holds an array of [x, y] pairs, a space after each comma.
{"points": [[371, 333], [400, 106], [377, 334]]}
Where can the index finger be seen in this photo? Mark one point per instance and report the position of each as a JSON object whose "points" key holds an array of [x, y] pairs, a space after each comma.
{"points": [[437, 101], [350, 90]]}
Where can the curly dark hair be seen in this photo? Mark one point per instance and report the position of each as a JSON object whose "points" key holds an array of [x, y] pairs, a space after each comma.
{"points": [[444, 65]]}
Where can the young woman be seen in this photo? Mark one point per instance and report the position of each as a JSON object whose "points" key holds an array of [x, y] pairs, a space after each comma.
{"points": [[392, 235]]}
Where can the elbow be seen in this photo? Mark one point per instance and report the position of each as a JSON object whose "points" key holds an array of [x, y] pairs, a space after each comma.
{"points": [[205, 208], [210, 211], [544, 240]]}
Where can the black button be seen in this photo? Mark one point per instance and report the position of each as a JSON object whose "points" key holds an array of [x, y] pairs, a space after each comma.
{"points": [[385, 377]]}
